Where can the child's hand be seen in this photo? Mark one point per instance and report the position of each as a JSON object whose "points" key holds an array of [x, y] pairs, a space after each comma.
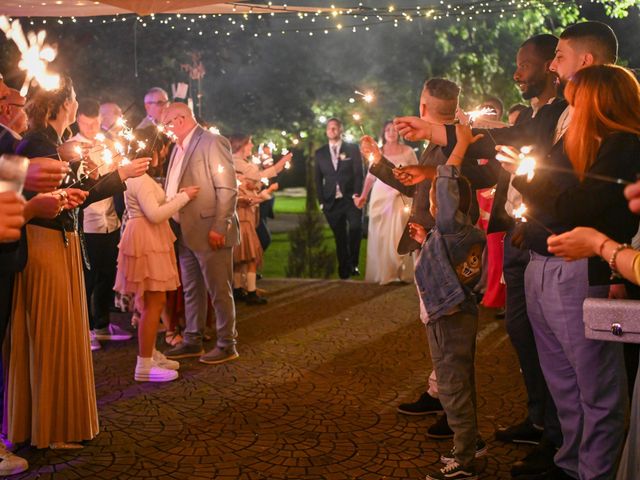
{"points": [[417, 232], [465, 136]]}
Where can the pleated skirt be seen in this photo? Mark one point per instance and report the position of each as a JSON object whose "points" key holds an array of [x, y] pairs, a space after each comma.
{"points": [[50, 394]]}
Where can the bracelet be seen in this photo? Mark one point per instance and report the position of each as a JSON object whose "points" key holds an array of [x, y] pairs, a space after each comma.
{"points": [[612, 261], [602, 245]]}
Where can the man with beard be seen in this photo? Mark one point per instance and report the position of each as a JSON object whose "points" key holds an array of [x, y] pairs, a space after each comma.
{"points": [[586, 378], [538, 85]]}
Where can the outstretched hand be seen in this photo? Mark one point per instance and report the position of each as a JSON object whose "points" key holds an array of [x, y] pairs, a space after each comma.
{"points": [[581, 242], [465, 135], [413, 174], [509, 158], [370, 150], [413, 129]]}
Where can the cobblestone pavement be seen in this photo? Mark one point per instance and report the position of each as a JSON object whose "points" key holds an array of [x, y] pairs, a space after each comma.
{"points": [[322, 368]]}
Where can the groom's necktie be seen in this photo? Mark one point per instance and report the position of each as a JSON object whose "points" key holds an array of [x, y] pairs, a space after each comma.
{"points": [[334, 156]]}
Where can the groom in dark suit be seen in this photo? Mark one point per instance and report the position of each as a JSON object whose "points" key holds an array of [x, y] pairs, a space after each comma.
{"points": [[339, 176]]}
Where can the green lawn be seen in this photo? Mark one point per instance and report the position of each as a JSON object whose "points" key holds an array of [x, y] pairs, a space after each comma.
{"points": [[276, 256], [286, 204]]}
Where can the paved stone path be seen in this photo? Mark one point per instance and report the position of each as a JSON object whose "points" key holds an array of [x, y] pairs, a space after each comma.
{"points": [[322, 368]]}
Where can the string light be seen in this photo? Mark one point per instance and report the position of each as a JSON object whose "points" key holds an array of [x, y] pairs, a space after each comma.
{"points": [[325, 20]]}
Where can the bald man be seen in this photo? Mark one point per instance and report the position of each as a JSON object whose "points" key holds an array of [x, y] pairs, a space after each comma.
{"points": [[207, 230]]}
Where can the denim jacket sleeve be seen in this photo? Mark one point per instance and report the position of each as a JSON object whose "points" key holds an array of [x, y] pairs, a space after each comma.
{"points": [[449, 219]]}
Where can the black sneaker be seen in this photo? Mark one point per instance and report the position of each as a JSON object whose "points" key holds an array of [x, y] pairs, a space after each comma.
{"points": [[184, 350], [454, 471], [426, 405], [481, 449], [254, 299], [440, 429], [538, 463], [239, 294], [525, 432]]}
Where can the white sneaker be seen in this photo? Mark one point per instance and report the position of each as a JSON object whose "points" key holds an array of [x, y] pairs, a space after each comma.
{"points": [[11, 464], [148, 371], [161, 361], [112, 332], [95, 344]]}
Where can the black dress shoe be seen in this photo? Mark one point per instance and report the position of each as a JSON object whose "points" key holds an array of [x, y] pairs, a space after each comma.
{"points": [[425, 405], [440, 429], [524, 432], [355, 271], [538, 464]]}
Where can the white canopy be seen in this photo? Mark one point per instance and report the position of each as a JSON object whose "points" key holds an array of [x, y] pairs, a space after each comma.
{"points": [[90, 8]]}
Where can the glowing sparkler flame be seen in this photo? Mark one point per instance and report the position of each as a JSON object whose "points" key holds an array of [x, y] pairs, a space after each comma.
{"points": [[107, 157], [475, 114], [526, 163], [366, 96], [35, 56], [100, 137], [357, 117], [518, 213], [220, 169]]}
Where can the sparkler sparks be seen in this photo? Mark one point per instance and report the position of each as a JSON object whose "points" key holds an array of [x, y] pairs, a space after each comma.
{"points": [[368, 97], [35, 56], [475, 114]]}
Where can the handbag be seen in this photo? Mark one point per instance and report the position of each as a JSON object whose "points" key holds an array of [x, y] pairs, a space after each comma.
{"points": [[612, 320]]}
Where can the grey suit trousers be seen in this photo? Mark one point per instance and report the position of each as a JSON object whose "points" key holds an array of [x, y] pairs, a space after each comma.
{"points": [[212, 272]]}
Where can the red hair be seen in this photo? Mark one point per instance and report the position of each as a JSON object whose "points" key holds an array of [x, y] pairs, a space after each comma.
{"points": [[605, 100]]}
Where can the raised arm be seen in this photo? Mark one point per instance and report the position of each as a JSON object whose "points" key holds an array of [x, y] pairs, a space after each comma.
{"points": [[143, 189]]}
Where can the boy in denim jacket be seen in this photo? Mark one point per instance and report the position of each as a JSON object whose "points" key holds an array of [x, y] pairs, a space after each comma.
{"points": [[447, 268]]}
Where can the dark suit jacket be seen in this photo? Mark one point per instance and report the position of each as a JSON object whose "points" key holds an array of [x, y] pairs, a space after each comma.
{"points": [[348, 175]]}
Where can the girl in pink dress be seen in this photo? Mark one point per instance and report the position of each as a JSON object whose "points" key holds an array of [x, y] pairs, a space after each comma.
{"points": [[147, 267]]}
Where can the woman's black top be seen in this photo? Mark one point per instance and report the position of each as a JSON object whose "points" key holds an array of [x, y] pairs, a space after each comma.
{"points": [[45, 143]]}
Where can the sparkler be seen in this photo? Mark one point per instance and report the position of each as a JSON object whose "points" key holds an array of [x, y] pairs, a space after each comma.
{"points": [[481, 112], [521, 215], [526, 165], [35, 56], [367, 96]]}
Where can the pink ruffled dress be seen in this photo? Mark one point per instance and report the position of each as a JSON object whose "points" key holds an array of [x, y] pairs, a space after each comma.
{"points": [[146, 259]]}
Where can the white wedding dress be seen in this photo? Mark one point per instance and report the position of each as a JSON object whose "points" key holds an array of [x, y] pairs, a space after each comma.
{"points": [[388, 215]]}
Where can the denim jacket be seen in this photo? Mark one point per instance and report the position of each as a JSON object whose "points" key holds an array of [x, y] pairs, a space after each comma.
{"points": [[450, 261]]}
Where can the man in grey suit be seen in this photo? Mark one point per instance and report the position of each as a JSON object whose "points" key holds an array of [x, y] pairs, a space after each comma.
{"points": [[207, 231]]}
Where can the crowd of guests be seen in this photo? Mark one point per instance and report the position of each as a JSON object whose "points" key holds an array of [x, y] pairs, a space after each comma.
{"points": [[193, 200], [90, 222]]}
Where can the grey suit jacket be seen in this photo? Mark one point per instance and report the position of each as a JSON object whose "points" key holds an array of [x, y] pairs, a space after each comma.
{"points": [[207, 164]]}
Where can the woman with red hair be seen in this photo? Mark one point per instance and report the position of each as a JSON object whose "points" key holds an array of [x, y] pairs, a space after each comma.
{"points": [[586, 377]]}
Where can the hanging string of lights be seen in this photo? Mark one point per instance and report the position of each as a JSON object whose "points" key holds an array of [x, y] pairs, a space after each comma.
{"points": [[281, 20]]}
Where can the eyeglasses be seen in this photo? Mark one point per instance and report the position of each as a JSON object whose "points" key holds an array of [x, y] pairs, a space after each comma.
{"points": [[157, 102], [171, 122]]}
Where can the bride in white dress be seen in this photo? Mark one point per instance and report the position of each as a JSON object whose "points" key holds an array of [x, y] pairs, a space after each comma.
{"points": [[388, 215]]}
